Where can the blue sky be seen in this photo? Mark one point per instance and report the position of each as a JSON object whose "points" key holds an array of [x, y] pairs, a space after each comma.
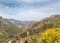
{"points": [[29, 9]]}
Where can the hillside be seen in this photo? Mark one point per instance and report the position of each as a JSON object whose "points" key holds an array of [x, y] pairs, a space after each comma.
{"points": [[7, 30], [50, 22], [7, 26], [17, 23], [51, 35]]}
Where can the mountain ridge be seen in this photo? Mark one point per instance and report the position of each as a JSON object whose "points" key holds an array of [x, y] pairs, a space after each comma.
{"points": [[38, 27], [22, 22]]}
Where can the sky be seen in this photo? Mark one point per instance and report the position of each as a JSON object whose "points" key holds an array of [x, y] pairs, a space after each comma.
{"points": [[28, 10]]}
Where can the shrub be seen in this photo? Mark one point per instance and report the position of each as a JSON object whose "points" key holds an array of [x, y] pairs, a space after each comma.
{"points": [[50, 36]]}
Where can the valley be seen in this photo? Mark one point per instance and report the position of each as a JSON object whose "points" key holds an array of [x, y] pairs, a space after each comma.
{"points": [[15, 31]]}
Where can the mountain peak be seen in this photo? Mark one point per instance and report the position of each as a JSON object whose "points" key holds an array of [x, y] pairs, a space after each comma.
{"points": [[55, 15]]}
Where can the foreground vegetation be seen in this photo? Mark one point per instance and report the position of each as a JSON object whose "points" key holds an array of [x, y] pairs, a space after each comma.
{"points": [[49, 36]]}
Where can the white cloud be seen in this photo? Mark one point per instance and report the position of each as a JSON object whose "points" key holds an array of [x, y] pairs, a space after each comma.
{"points": [[29, 13], [29, 0], [21, 0]]}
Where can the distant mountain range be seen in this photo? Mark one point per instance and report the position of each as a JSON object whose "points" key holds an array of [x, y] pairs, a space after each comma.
{"points": [[21, 22]]}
